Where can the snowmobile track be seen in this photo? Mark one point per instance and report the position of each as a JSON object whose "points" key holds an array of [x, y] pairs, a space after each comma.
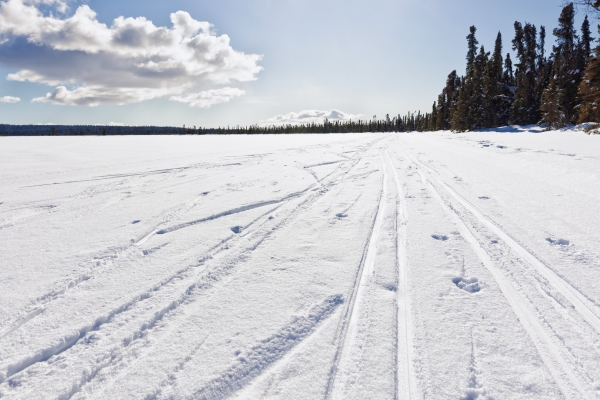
{"points": [[406, 386], [567, 379], [580, 303], [345, 332]]}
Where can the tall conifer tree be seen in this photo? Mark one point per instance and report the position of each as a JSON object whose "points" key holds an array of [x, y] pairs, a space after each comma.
{"points": [[566, 70], [525, 108], [589, 89]]}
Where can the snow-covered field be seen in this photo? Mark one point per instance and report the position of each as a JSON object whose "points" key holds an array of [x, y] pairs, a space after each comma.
{"points": [[375, 266]]}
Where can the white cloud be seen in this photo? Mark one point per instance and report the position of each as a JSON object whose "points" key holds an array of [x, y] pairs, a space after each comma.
{"points": [[98, 95], [9, 99], [309, 116], [209, 97], [132, 60]]}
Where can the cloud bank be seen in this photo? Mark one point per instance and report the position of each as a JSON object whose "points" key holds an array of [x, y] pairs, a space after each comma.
{"points": [[9, 99], [309, 116], [90, 63]]}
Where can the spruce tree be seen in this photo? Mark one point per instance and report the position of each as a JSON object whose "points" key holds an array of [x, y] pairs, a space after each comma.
{"points": [[586, 39], [589, 89], [498, 94], [526, 107], [472, 45], [544, 67], [441, 113], [509, 76], [552, 109], [451, 93], [462, 116], [566, 70], [459, 116], [477, 103], [433, 118]]}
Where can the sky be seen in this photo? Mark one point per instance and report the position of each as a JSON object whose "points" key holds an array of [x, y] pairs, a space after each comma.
{"points": [[239, 62]]}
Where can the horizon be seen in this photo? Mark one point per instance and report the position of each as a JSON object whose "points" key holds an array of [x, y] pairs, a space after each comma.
{"points": [[269, 78]]}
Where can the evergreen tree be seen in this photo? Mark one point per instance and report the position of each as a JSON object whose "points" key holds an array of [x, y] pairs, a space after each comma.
{"points": [[509, 76], [472, 45], [566, 70], [498, 95], [433, 118], [459, 121], [589, 89], [586, 39], [552, 110], [441, 113], [477, 101], [544, 67], [525, 108], [462, 115]]}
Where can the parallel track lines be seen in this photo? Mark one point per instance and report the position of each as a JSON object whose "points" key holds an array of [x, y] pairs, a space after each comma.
{"points": [[583, 306], [347, 330], [405, 386], [563, 373]]}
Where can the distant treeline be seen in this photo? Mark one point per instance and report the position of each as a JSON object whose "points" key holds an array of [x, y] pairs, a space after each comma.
{"points": [[409, 122]]}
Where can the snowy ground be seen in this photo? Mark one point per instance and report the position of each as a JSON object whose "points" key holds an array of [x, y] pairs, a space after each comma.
{"points": [[376, 266]]}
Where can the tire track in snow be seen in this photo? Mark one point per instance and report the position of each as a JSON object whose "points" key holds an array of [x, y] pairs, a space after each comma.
{"points": [[563, 373], [347, 331], [580, 303], [208, 280], [406, 386]]}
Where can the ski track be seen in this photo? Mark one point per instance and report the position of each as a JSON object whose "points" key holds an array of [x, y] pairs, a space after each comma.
{"points": [[561, 370], [404, 374], [347, 331], [210, 277]]}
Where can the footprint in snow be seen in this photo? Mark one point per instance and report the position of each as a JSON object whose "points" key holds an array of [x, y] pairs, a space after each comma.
{"points": [[470, 285], [341, 215], [558, 242], [442, 238], [136, 221], [236, 229]]}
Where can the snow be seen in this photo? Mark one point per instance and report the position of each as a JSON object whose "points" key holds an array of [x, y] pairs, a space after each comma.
{"points": [[412, 265]]}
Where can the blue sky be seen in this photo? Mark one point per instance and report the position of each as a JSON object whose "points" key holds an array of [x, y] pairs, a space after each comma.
{"points": [[361, 57]]}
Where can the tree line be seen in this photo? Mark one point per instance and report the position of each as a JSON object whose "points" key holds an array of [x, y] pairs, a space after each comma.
{"points": [[408, 122]]}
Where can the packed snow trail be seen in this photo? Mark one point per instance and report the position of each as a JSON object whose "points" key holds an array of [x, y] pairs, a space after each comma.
{"points": [[348, 329], [399, 266], [405, 379]]}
